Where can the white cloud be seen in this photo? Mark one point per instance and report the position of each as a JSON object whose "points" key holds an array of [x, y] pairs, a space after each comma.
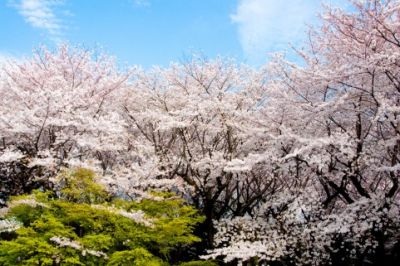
{"points": [[141, 3], [41, 14], [266, 26]]}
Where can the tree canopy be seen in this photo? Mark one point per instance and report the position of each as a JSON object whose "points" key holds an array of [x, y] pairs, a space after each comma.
{"points": [[292, 163]]}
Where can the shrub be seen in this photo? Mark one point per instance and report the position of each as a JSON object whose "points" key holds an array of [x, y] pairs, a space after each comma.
{"points": [[80, 224]]}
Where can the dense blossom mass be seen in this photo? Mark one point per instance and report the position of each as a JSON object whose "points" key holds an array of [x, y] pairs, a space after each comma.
{"points": [[291, 163]]}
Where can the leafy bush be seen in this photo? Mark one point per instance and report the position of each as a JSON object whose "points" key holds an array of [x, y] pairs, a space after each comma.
{"points": [[80, 224]]}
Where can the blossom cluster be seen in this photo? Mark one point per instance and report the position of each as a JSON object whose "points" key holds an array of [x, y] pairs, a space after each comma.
{"points": [[66, 242]]}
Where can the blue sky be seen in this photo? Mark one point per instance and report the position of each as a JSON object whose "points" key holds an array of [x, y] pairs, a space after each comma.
{"points": [[157, 32]]}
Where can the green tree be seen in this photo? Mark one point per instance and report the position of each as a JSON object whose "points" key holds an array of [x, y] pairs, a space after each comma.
{"points": [[81, 224]]}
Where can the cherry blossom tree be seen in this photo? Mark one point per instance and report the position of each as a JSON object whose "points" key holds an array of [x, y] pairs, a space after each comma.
{"points": [[348, 130], [292, 164], [56, 109], [201, 120], [333, 127], [293, 228]]}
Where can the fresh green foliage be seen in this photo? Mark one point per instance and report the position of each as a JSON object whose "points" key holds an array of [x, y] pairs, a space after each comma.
{"points": [[79, 186], [80, 224], [135, 257]]}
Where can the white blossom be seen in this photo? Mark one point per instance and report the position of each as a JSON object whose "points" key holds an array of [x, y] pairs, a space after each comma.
{"points": [[9, 225]]}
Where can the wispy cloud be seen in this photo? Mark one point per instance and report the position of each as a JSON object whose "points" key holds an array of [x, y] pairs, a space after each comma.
{"points": [[266, 26], [141, 3], [42, 14]]}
